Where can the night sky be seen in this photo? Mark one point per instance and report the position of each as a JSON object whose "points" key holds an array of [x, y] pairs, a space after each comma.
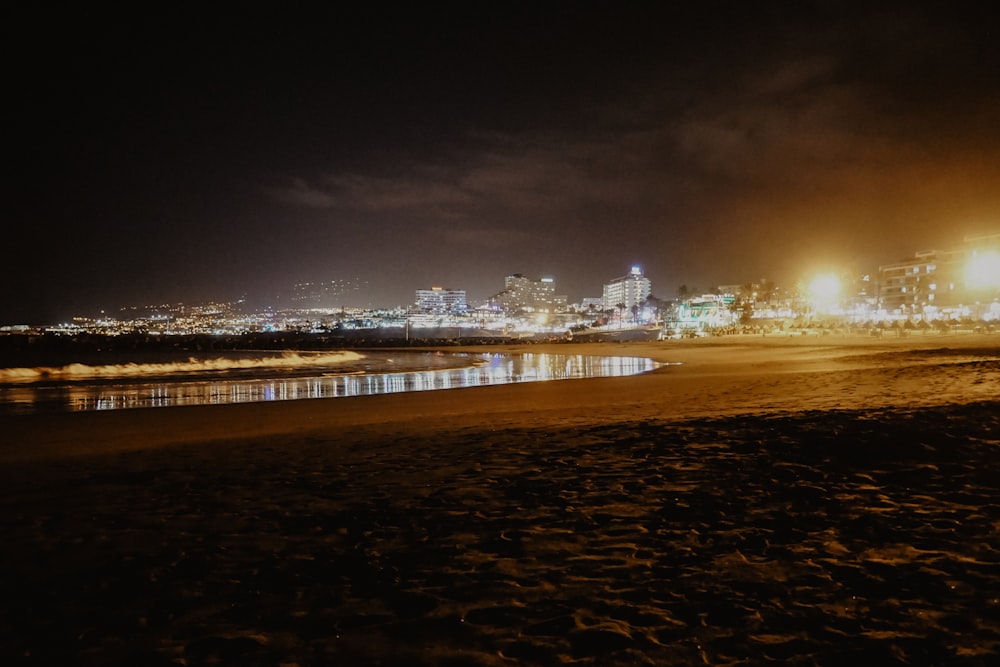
{"points": [[167, 152]]}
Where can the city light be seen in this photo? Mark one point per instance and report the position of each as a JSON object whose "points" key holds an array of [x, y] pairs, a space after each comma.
{"points": [[983, 271], [825, 287], [824, 293], [945, 286]]}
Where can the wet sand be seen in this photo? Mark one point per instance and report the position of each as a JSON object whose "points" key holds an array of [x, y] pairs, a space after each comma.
{"points": [[791, 500]]}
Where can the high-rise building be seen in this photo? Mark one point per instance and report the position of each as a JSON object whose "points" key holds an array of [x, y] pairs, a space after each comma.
{"points": [[627, 291], [526, 294], [441, 300]]}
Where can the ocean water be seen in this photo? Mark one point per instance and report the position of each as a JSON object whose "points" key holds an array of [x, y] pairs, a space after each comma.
{"points": [[257, 377]]}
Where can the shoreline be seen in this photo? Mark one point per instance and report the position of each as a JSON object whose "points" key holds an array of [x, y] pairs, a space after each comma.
{"points": [[702, 377]]}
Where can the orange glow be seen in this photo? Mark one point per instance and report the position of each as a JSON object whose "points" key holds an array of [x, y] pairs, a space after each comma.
{"points": [[983, 271], [825, 288]]}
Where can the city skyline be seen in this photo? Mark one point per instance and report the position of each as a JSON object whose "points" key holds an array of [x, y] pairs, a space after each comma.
{"points": [[331, 293], [193, 157]]}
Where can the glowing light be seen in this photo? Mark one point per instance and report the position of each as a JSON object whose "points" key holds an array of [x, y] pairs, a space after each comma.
{"points": [[825, 288], [983, 271], [824, 292]]}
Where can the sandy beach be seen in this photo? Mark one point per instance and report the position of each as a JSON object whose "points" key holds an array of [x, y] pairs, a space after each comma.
{"points": [[809, 500]]}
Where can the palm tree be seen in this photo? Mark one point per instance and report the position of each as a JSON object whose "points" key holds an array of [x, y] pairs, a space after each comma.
{"points": [[766, 291], [656, 305]]}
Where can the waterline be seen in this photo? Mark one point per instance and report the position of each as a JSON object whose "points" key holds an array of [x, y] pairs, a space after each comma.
{"points": [[485, 369], [79, 371]]}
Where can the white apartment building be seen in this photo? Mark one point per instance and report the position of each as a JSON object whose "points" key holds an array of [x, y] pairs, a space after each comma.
{"points": [[527, 294], [630, 290], [441, 300]]}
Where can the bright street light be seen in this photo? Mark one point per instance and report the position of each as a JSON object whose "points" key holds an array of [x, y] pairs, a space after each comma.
{"points": [[824, 293], [983, 271], [825, 288]]}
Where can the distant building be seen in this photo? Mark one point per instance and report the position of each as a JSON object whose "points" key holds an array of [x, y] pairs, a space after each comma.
{"points": [[931, 278], [526, 294], [441, 300], [630, 290], [705, 312], [936, 280]]}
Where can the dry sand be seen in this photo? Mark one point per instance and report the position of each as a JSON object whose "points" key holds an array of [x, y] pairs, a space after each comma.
{"points": [[800, 500]]}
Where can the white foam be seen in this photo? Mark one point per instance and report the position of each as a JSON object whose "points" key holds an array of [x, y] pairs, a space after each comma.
{"points": [[84, 371]]}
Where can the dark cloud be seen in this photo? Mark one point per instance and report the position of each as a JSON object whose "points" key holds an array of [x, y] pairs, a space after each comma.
{"points": [[417, 144]]}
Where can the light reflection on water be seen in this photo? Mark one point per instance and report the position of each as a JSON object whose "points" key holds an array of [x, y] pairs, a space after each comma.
{"points": [[491, 369]]}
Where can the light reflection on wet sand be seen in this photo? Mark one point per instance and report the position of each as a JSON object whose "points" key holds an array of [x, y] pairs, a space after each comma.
{"points": [[489, 369]]}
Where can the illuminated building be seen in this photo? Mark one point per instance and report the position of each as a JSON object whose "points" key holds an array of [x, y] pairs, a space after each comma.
{"points": [[627, 291], [931, 278], [936, 279], [441, 300], [526, 294], [704, 312], [592, 304]]}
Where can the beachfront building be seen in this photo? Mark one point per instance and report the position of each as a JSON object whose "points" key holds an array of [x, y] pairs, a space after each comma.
{"points": [[523, 294], [441, 300], [930, 280], [627, 294], [936, 284], [591, 305], [709, 311]]}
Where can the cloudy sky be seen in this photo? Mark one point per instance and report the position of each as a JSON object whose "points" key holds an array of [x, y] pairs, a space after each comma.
{"points": [[173, 153]]}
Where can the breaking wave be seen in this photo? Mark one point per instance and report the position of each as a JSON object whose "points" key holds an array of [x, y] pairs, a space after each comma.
{"points": [[84, 371]]}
